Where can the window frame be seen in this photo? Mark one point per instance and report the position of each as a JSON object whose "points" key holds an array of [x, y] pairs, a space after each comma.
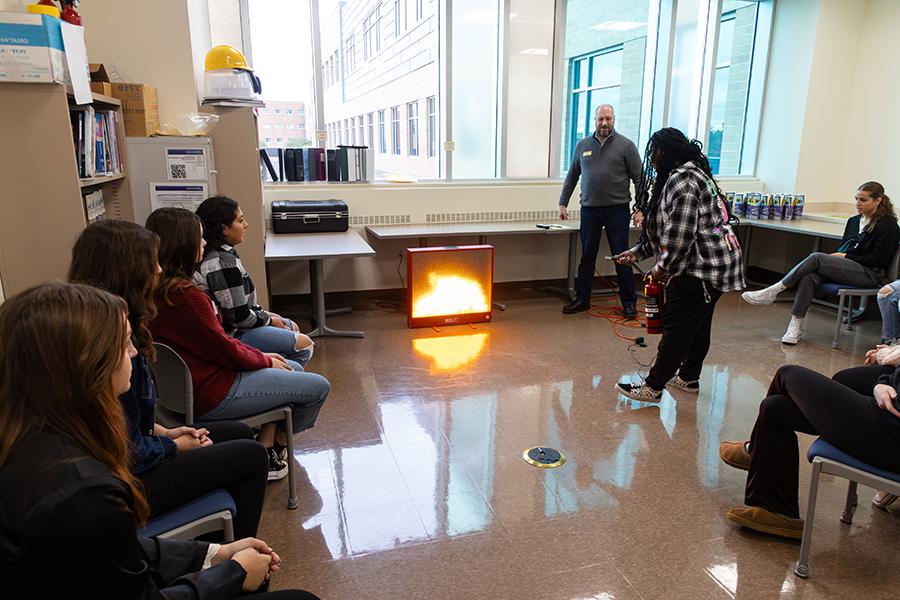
{"points": [[431, 126], [382, 132], [396, 149], [412, 128]]}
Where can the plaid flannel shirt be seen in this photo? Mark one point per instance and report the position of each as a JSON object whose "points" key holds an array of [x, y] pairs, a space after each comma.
{"points": [[223, 277], [690, 235]]}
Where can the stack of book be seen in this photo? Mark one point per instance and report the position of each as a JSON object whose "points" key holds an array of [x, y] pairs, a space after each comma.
{"points": [[95, 135], [344, 163], [94, 208]]}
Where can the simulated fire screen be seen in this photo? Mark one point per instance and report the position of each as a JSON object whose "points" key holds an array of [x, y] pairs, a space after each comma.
{"points": [[449, 285]]}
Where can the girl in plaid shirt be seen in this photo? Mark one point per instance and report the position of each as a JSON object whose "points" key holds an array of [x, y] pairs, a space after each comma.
{"points": [[688, 230]]}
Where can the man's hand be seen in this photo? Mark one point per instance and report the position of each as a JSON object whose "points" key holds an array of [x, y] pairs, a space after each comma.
{"points": [[885, 291], [563, 213], [638, 218], [884, 396], [839, 254], [626, 258]]}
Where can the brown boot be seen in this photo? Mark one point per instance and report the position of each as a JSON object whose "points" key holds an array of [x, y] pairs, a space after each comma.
{"points": [[760, 519], [734, 454]]}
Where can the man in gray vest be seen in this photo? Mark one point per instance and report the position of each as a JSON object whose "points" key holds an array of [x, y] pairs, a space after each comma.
{"points": [[607, 163]]}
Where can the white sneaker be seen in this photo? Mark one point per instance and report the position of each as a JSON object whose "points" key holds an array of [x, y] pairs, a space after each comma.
{"points": [[792, 335], [760, 297]]}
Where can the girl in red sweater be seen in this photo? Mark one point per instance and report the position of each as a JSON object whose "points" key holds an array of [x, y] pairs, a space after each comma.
{"points": [[231, 380]]}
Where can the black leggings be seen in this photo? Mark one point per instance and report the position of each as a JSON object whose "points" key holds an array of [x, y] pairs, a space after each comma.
{"points": [[841, 410], [234, 462]]}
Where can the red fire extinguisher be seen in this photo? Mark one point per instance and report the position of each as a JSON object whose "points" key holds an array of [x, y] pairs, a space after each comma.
{"points": [[654, 300]]}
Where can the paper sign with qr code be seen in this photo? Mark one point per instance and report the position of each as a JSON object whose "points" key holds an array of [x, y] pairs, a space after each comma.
{"points": [[186, 164]]}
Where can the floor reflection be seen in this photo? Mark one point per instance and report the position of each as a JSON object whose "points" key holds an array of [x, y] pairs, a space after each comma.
{"points": [[451, 352]]}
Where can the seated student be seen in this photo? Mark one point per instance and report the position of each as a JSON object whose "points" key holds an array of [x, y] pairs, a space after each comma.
{"points": [[224, 278], [869, 243], [888, 299], [177, 465], [231, 379], [70, 507], [856, 411]]}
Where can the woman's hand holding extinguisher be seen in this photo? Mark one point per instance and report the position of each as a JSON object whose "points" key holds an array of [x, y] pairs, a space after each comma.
{"points": [[657, 273]]}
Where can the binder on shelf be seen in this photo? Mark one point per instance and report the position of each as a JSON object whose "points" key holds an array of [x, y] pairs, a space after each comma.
{"points": [[342, 163], [299, 162], [310, 158], [332, 165], [320, 164], [290, 165], [267, 163]]}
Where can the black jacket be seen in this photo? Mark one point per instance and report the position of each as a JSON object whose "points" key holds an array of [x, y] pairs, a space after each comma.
{"points": [[67, 529], [874, 249]]}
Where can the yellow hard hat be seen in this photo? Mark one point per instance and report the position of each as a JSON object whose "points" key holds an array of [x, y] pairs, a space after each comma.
{"points": [[225, 57]]}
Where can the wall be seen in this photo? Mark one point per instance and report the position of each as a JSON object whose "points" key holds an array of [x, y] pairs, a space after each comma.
{"points": [[517, 257], [150, 44], [870, 150], [14, 5]]}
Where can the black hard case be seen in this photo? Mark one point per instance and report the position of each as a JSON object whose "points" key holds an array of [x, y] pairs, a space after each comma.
{"points": [[309, 216]]}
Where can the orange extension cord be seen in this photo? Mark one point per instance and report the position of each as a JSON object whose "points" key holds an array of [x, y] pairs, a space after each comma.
{"points": [[609, 309]]}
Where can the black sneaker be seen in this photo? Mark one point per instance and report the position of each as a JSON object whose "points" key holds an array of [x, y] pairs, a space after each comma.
{"points": [[629, 311], [281, 450], [278, 469], [641, 391], [576, 306]]}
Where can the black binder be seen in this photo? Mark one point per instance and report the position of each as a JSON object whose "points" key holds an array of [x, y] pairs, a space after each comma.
{"points": [[332, 166], [290, 165]]}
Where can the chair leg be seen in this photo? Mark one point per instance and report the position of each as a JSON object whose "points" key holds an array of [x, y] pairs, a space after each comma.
{"points": [[228, 529], [835, 343], [802, 567], [292, 463], [849, 326], [850, 504]]}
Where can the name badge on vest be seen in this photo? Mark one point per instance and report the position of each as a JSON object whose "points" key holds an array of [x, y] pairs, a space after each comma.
{"points": [[587, 153]]}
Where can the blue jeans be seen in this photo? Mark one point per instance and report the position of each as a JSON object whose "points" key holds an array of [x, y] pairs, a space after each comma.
{"points": [[255, 392], [615, 219], [275, 339], [890, 313]]}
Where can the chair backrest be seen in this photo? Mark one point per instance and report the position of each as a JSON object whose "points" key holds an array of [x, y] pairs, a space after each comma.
{"points": [[174, 386]]}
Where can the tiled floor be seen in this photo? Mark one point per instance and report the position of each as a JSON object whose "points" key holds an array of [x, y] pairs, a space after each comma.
{"points": [[413, 484]]}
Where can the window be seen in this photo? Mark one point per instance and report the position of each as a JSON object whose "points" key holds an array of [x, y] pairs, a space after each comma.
{"points": [[264, 111], [346, 131], [396, 18], [371, 138], [290, 126], [382, 137], [362, 129], [350, 54], [431, 127], [419, 11], [395, 130], [268, 140], [352, 131], [412, 132], [278, 125], [277, 111], [288, 111], [279, 140], [735, 109], [372, 33], [267, 126], [599, 81]]}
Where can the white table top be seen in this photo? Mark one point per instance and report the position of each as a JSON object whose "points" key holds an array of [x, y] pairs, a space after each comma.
{"points": [[453, 229], [825, 229], [313, 246]]}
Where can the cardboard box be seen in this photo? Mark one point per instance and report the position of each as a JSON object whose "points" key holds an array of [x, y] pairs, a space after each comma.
{"points": [[140, 108], [31, 49], [101, 87]]}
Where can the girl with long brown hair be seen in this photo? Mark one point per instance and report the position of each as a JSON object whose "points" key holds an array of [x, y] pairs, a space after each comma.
{"points": [[65, 357], [231, 379], [867, 248], [180, 464]]}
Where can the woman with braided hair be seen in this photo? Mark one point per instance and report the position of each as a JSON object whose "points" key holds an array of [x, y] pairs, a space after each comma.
{"points": [[687, 229]]}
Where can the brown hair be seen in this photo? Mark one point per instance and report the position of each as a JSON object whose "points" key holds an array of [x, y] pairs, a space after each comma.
{"points": [[60, 345], [885, 208], [121, 257], [179, 232]]}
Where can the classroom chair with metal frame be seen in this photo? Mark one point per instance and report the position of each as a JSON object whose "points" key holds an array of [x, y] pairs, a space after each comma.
{"points": [[828, 460], [847, 292], [175, 405], [211, 512]]}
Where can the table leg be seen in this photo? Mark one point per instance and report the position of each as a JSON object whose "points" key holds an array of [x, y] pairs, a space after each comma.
{"points": [[572, 258], [317, 289]]}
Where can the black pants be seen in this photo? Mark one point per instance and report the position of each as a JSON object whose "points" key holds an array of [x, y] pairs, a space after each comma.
{"points": [[687, 322], [234, 462], [841, 410], [616, 221]]}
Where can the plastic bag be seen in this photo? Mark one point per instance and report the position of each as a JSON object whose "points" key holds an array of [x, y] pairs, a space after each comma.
{"points": [[195, 123]]}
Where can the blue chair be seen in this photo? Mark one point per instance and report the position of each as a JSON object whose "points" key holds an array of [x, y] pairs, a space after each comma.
{"points": [[827, 459], [847, 292], [211, 512]]}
